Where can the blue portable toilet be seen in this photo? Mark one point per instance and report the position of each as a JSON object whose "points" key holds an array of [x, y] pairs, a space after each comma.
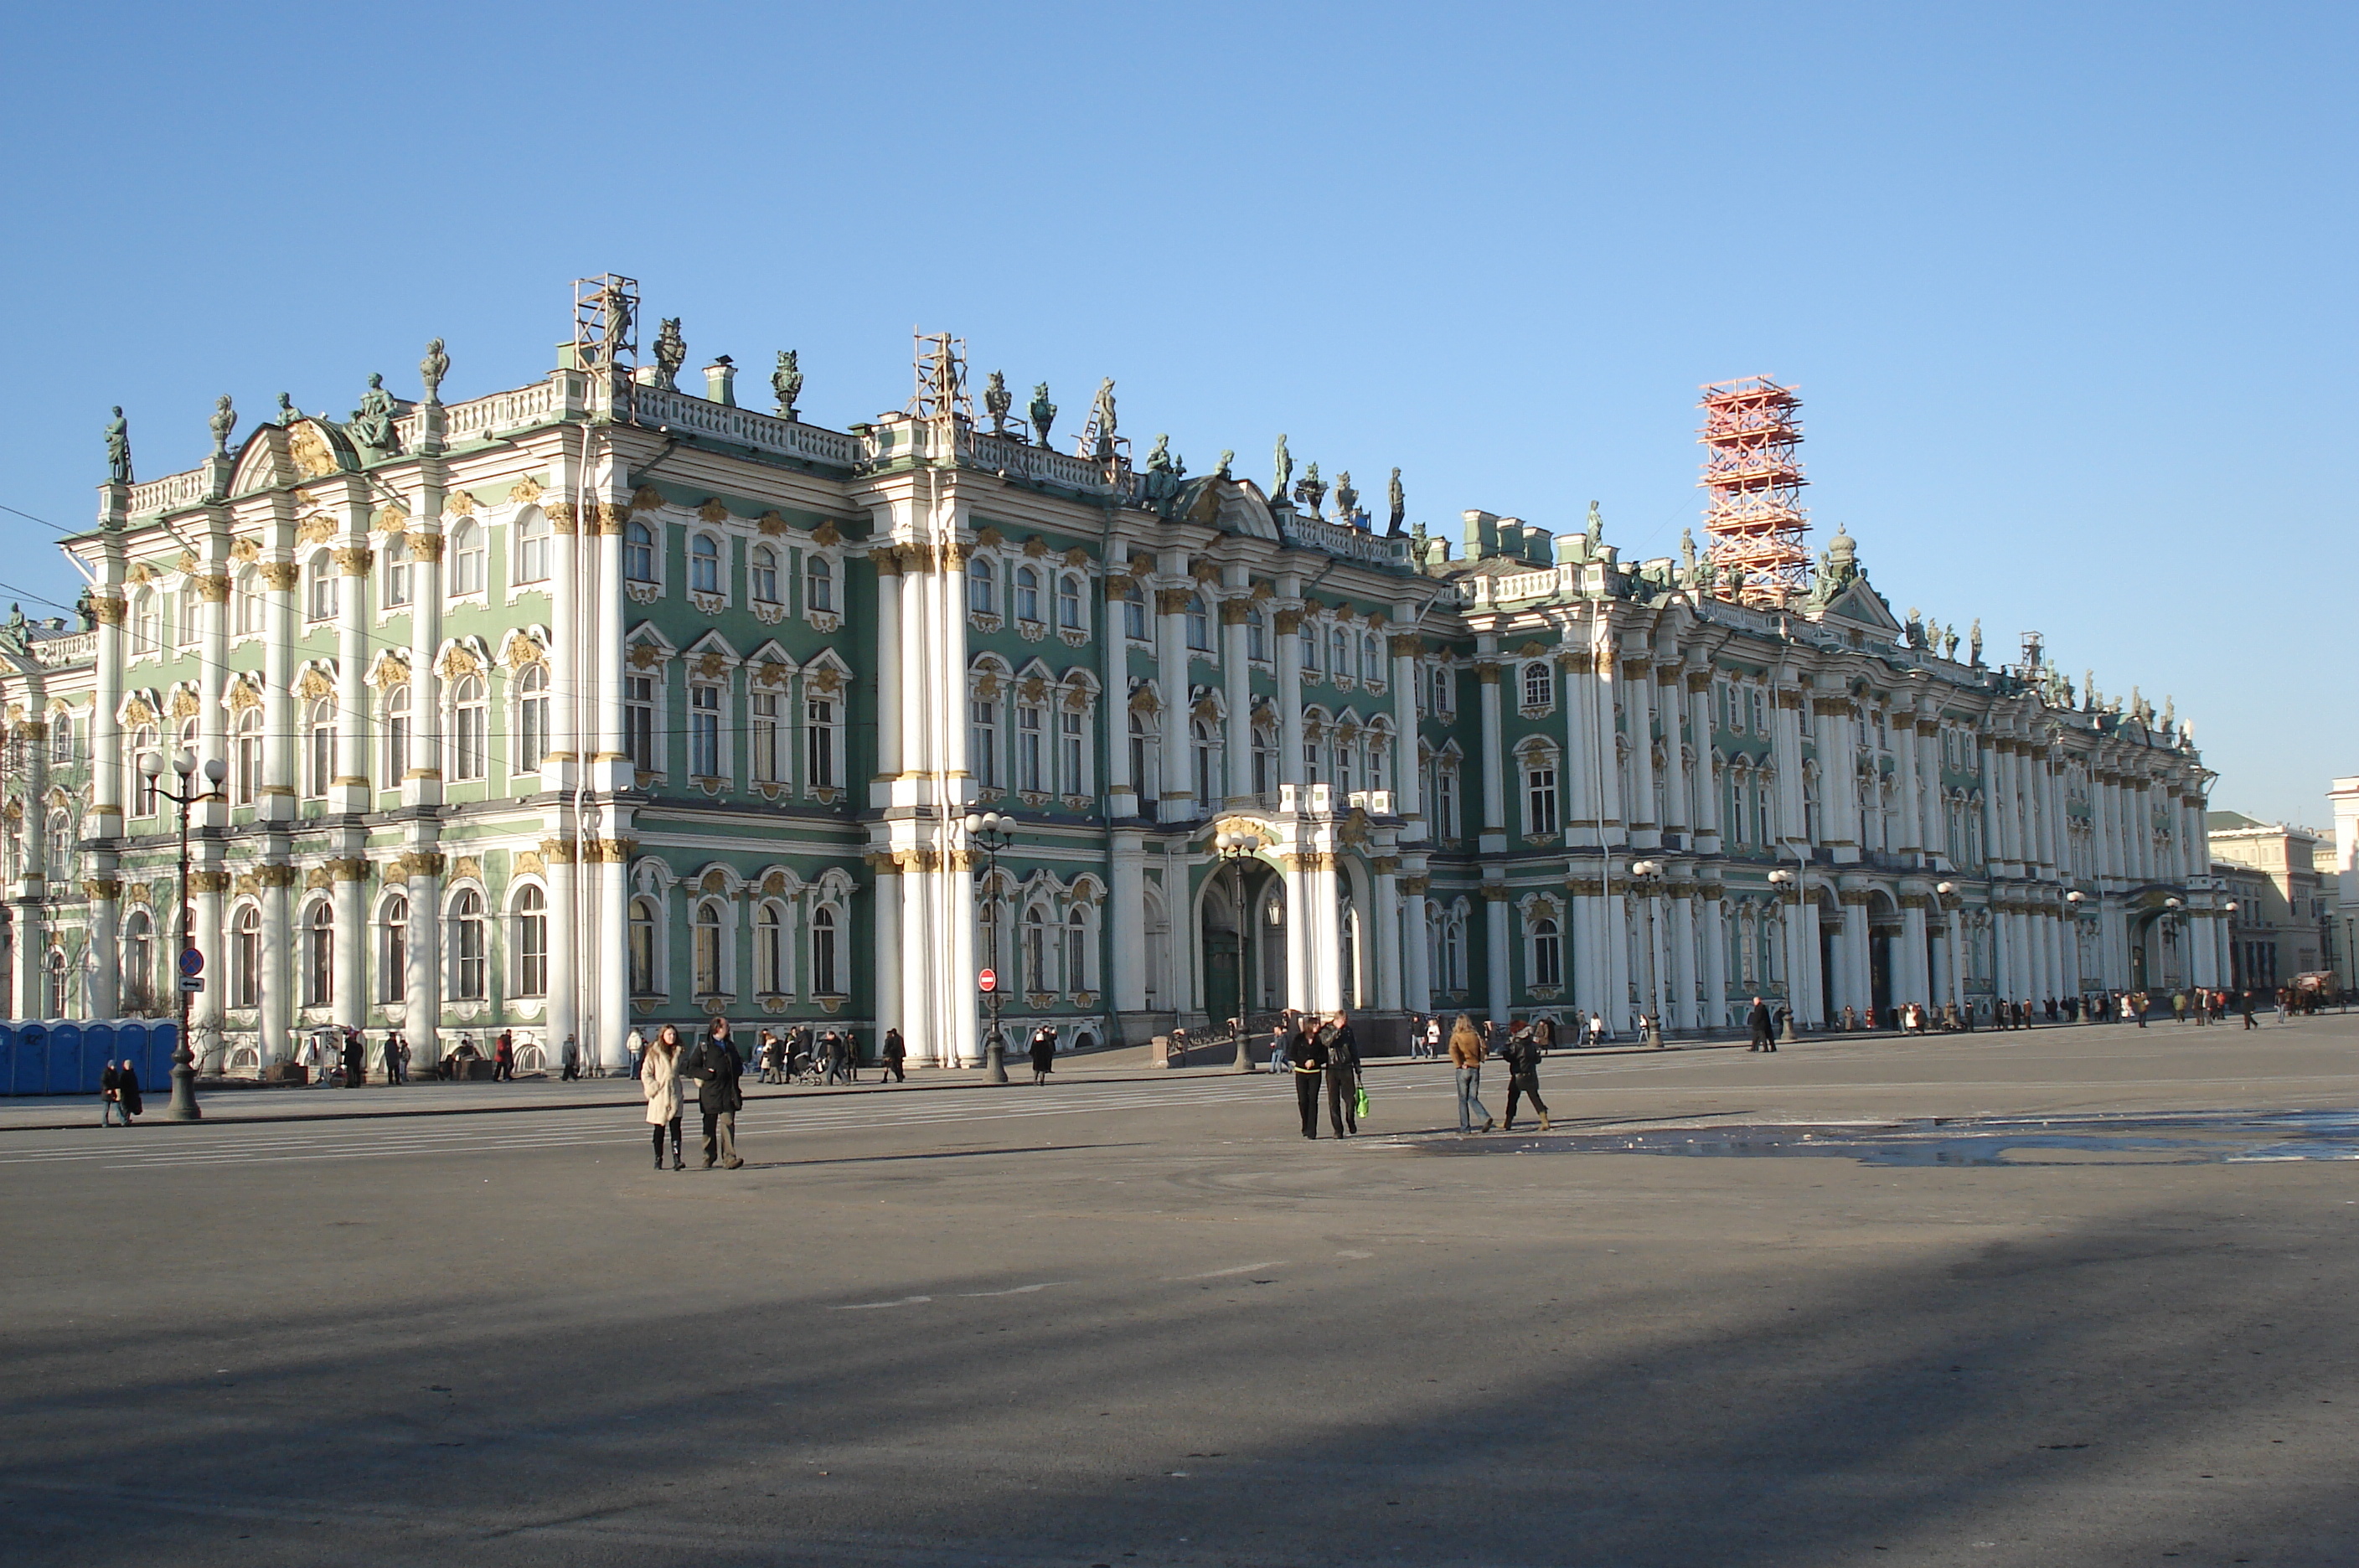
{"points": [[8, 1056], [155, 1066], [66, 1065], [32, 1074], [98, 1039]]}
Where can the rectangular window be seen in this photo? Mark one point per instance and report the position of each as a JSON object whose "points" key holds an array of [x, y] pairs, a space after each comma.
{"points": [[1539, 788], [471, 745], [766, 738], [639, 722], [396, 750], [1028, 742], [1069, 753], [982, 743], [820, 718], [704, 732]]}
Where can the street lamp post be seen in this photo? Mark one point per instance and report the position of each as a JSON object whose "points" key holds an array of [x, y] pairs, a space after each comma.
{"points": [[1782, 879], [1235, 849], [992, 832], [2236, 967], [1644, 881], [183, 1106]]}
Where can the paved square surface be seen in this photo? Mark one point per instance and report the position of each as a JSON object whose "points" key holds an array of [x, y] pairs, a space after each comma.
{"points": [[2101, 1316]]}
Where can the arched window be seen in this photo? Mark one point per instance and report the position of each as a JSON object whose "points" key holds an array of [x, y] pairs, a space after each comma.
{"points": [[639, 553], [1338, 652], [396, 571], [1453, 952], [532, 546], [642, 949], [1372, 668], [532, 719], [247, 774], [396, 731], [762, 566], [147, 624], [319, 956], [1027, 593], [319, 746], [470, 742], [1068, 604], [61, 848], [245, 958], [819, 584], [1309, 644], [1134, 612], [466, 559], [705, 564], [1036, 952], [1256, 634], [1538, 686], [138, 961], [246, 609], [708, 950], [531, 945], [1145, 757], [322, 574], [1077, 952], [1445, 690], [55, 979], [1199, 625], [769, 952], [1032, 745], [144, 795], [1206, 744], [1264, 759], [825, 977], [393, 952], [982, 741], [982, 586], [469, 975], [1548, 953]]}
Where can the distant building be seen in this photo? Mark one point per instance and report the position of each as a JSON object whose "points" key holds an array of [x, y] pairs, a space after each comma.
{"points": [[2280, 924], [2345, 797]]}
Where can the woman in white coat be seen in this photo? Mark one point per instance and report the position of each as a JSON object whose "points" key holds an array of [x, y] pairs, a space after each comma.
{"points": [[659, 1081]]}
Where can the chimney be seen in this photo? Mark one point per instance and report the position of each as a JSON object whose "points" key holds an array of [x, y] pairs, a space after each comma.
{"points": [[720, 382]]}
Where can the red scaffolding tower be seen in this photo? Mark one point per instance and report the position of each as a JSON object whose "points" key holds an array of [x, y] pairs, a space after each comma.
{"points": [[1752, 482]]}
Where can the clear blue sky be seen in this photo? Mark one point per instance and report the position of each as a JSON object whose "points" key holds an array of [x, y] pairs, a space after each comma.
{"points": [[2068, 289]]}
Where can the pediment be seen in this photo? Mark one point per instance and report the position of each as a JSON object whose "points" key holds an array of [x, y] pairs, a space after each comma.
{"points": [[1862, 606]]}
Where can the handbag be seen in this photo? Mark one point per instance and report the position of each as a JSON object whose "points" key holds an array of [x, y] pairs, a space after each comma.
{"points": [[1359, 1103]]}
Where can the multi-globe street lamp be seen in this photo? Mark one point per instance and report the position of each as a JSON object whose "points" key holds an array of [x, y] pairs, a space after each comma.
{"points": [[183, 1106], [1234, 849], [1782, 879], [992, 832]]}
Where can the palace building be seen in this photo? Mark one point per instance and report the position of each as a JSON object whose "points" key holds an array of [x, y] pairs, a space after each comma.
{"points": [[595, 702]]}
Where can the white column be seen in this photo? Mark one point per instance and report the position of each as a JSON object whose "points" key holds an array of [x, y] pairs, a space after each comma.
{"points": [[1416, 960], [612, 1026], [1496, 935], [1127, 910], [1908, 832], [1838, 776], [1670, 685], [1611, 812], [1912, 983], [1287, 626], [1171, 667], [560, 765], [1301, 934], [1932, 813], [566, 936], [1681, 908], [1237, 693], [1494, 759], [1408, 787], [1618, 916], [1785, 746], [207, 883], [423, 1014], [424, 784], [109, 765], [889, 757], [1638, 692], [1715, 1009], [277, 802], [275, 1019], [1806, 991], [1578, 779], [610, 766], [1384, 922], [349, 790], [351, 979]]}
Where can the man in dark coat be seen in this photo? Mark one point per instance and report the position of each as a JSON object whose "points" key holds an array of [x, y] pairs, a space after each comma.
{"points": [[715, 1068], [1757, 1020], [894, 1055], [1522, 1056], [128, 1092], [1343, 1075], [1306, 1053], [110, 1097]]}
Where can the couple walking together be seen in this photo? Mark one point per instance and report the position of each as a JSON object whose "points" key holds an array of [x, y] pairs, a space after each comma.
{"points": [[1326, 1053], [714, 1066], [1522, 1056]]}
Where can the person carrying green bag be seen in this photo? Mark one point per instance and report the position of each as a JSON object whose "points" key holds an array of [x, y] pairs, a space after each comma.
{"points": [[1344, 1096]]}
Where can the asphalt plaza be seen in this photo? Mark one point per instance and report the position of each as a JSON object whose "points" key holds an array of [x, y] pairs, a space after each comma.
{"points": [[1136, 1319]]}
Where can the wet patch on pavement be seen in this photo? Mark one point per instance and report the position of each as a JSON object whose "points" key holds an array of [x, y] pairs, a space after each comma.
{"points": [[2184, 1138]]}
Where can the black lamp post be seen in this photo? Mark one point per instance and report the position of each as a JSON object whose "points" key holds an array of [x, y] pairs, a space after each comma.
{"points": [[1781, 880], [183, 1108], [992, 832], [1234, 849]]}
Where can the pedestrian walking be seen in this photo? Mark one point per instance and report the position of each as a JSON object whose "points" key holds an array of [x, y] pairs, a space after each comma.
{"points": [[1758, 1023], [660, 1082], [569, 1059], [1466, 1058], [1543, 1035], [110, 1097], [637, 1046], [716, 1069], [894, 1055], [355, 1060], [1342, 1074], [2248, 1008], [1306, 1059], [1283, 1038], [126, 1090], [1523, 1058], [1044, 1052], [1433, 1038], [504, 1059]]}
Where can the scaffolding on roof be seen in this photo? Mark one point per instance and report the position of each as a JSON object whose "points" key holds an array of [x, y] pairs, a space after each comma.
{"points": [[1752, 483]]}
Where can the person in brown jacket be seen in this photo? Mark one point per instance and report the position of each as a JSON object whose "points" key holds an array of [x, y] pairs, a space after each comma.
{"points": [[1466, 1055]]}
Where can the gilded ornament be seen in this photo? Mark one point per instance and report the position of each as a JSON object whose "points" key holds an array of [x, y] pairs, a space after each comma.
{"points": [[459, 504], [280, 575]]}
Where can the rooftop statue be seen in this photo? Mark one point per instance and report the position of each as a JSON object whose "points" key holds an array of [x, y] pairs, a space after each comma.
{"points": [[1043, 413], [1687, 553], [996, 401], [14, 633], [1163, 479], [1312, 489], [432, 369], [86, 606], [1159, 458], [287, 412], [671, 352], [1592, 527], [2169, 714], [1396, 503], [1285, 460], [1949, 644], [615, 309], [223, 421], [1974, 644], [372, 422], [787, 384], [119, 449], [1227, 457], [1347, 500], [1102, 410], [1915, 628]]}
